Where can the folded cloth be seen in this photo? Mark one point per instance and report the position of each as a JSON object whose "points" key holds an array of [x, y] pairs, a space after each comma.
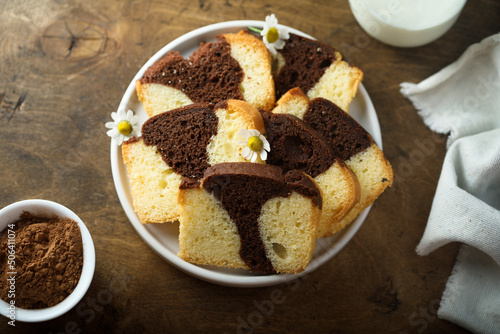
{"points": [[463, 100]]}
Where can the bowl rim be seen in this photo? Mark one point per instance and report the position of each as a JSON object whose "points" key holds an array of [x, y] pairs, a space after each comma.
{"points": [[450, 15], [11, 213]]}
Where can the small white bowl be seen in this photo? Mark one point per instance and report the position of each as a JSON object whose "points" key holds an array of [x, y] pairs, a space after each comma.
{"points": [[44, 208]]}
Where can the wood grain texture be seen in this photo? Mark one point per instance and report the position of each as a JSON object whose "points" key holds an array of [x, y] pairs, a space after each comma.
{"points": [[64, 66]]}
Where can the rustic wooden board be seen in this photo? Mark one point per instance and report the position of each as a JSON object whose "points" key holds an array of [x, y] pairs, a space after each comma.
{"points": [[63, 69]]}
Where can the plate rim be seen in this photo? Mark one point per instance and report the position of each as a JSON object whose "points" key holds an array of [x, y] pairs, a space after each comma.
{"points": [[200, 272]]}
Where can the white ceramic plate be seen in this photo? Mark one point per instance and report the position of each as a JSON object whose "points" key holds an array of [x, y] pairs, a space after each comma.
{"points": [[163, 238]]}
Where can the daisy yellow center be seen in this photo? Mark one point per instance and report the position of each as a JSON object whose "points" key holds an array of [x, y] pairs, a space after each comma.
{"points": [[272, 35], [255, 143], [125, 128]]}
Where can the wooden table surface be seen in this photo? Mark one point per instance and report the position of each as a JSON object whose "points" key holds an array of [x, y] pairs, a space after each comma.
{"points": [[57, 89]]}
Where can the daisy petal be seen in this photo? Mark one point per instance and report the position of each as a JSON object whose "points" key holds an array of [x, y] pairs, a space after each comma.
{"points": [[272, 49], [266, 146], [254, 156], [269, 19], [129, 115], [279, 44], [247, 153], [110, 125], [272, 19], [255, 133], [113, 133], [243, 133], [263, 154], [284, 34], [115, 117], [136, 130], [135, 119]]}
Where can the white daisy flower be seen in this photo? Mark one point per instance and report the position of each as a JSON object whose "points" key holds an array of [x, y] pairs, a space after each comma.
{"points": [[255, 145], [274, 36], [124, 125]]}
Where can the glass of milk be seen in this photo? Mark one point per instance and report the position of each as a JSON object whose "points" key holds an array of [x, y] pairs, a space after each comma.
{"points": [[406, 23]]}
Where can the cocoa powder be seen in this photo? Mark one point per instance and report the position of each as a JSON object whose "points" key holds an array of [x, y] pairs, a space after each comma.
{"points": [[48, 261]]}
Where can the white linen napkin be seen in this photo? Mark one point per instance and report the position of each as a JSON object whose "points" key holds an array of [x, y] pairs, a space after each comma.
{"points": [[463, 100]]}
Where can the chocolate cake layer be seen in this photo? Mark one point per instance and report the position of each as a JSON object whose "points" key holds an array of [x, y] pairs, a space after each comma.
{"points": [[345, 136], [306, 61], [181, 137], [209, 75], [295, 145], [243, 188]]}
